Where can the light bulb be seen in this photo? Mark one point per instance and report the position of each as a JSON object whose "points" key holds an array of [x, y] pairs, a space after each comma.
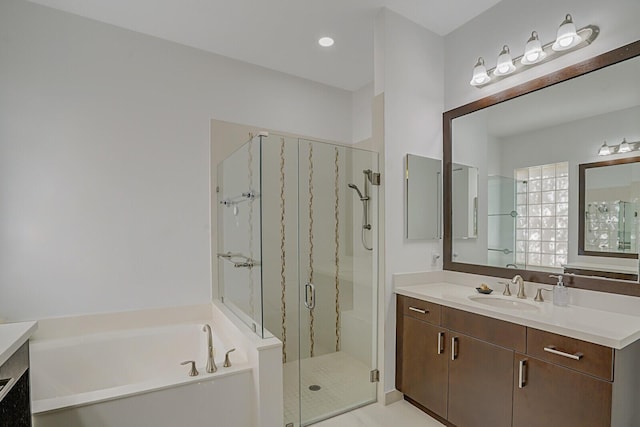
{"points": [[504, 65], [567, 37], [604, 150], [480, 75], [533, 50], [624, 147]]}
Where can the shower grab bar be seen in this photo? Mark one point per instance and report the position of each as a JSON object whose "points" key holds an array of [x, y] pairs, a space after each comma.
{"points": [[245, 263], [512, 214], [244, 197], [504, 251]]}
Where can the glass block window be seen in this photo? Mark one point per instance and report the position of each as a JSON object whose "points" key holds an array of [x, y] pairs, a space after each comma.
{"points": [[542, 224]]}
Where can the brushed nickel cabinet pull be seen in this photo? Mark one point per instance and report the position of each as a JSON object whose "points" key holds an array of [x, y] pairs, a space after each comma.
{"points": [[440, 342], [418, 310], [552, 349], [454, 348], [522, 374]]}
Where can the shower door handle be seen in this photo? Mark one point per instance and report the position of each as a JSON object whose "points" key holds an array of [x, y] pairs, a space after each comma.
{"points": [[309, 296]]}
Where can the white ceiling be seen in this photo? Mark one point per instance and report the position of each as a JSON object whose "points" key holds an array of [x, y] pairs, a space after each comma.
{"points": [[278, 34]]}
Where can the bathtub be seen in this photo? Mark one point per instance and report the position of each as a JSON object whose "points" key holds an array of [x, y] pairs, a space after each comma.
{"points": [[134, 378]]}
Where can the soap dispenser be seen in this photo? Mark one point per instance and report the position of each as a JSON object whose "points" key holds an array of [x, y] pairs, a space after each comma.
{"points": [[560, 292]]}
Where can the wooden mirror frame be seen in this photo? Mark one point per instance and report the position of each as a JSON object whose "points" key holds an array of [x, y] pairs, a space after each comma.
{"points": [[583, 282], [582, 175]]}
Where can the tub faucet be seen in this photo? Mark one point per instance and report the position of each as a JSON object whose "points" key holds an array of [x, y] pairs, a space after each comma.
{"points": [[211, 364], [517, 279]]}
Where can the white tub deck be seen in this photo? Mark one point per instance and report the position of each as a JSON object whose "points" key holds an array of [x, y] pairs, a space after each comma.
{"points": [[92, 379]]}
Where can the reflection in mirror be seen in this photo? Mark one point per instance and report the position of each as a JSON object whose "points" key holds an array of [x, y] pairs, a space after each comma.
{"points": [[501, 221], [465, 201], [609, 197], [526, 150], [424, 197]]}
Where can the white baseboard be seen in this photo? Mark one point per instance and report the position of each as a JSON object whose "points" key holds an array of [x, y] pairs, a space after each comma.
{"points": [[392, 397]]}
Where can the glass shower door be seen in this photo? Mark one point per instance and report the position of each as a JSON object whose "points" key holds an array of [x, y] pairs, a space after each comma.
{"points": [[337, 240]]}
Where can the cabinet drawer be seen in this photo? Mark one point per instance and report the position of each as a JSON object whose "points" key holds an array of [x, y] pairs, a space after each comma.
{"points": [[592, 359], [494, 331], [421, 310]]}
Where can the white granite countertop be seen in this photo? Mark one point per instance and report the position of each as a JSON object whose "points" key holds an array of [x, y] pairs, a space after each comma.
{"points": [[597, 326], [12, 336]]}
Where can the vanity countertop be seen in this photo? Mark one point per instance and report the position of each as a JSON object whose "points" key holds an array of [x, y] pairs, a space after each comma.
{"points": [[12, 336], [597, 326]]}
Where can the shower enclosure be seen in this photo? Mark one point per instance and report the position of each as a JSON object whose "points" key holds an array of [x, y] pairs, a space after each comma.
{"points": [[297, 258]]}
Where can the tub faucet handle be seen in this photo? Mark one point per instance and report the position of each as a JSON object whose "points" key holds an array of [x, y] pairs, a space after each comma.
{"points": [[227, 361], [193, 372]]}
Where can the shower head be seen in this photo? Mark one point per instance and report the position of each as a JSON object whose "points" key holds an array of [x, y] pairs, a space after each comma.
{"points": [[355, 187]]}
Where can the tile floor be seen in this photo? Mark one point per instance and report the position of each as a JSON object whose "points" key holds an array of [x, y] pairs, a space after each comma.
{"points": [[343, 380], [375, 415]]}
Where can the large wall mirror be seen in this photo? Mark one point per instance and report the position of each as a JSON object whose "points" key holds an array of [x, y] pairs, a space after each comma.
{"points": [[538, 210]]}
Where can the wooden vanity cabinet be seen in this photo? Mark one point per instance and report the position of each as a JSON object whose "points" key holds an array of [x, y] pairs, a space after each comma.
{"points": [[447, 361], [480, 383], [481, 368], [422, 368], [546, 394], [424, 374], [475, 371]]}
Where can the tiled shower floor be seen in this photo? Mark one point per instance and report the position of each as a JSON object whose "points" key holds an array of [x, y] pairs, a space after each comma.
{"points": [[344, 384]]}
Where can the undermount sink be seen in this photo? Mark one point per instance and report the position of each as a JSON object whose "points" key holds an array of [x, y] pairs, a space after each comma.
{"points": [[508, 303]]}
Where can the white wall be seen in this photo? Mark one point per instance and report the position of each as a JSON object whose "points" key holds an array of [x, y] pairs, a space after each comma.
{"points": [[409, 71], [361, 113], [511, 22], [104, 159]]}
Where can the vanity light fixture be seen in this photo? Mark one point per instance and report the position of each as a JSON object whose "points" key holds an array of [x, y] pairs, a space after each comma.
{"points": [[623, 147], [567, 40]]}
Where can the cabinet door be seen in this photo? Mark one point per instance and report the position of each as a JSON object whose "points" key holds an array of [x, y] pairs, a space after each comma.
{"points": [[550, 395], [424, 365], [480, 383]]}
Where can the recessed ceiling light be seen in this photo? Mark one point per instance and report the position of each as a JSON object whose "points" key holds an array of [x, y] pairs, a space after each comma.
{"points": [[325, 41]]}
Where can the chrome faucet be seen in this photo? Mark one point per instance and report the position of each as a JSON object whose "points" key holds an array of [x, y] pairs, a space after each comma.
{"points": [[517, 279], [211, 364]]}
